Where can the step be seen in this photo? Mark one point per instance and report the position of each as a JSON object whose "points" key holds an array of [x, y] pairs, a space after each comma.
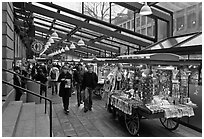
{"points": [[10, 118], [26, 123], [42, 121]]}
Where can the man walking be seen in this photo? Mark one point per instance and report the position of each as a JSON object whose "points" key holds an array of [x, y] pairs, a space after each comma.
{"points": [[90, 80], [78, 78]]}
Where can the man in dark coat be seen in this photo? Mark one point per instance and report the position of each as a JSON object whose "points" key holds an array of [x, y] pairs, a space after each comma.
{"points": [[65, 87], [17, 82], [90, 80], [78, 78]]}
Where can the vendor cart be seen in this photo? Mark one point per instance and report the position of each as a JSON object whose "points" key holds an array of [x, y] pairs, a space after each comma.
{"points": [[168, 101], [98, 91]]}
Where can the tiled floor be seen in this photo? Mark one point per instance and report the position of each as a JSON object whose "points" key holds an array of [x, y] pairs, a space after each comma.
{"points": [[100, 123]]}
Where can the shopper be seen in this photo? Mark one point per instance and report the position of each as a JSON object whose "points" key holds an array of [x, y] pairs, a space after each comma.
{"points": [[78, 78], [54, 74], [65, 87], [40, 76], [90, 80], [17, 82]]}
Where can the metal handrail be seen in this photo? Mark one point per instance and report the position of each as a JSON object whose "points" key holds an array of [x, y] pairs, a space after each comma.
{"points": [[29, 80], [50, 116]]}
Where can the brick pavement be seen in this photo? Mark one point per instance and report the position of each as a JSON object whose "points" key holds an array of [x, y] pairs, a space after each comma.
{"points": [[100, 123]]}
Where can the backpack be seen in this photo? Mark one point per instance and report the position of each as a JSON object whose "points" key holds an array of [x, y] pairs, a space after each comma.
{"points": [[53, 74]]}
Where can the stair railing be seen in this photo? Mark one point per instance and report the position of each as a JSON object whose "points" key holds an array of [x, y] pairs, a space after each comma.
{"points": [[12, 72], [30, 92]]}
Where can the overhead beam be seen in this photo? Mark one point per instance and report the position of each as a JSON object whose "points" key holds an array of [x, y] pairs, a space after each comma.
{"points": [[80, 23], [136, 6], [96, 20], [102, 47]]}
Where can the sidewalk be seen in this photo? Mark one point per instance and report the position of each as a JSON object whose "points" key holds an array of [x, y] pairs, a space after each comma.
{"points": [[100, 123]]}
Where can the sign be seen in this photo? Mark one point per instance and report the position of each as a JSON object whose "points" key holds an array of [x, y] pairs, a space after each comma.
{"points": [[37, 46]]}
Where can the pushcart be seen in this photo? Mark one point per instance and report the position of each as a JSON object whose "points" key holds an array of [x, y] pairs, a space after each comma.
{"points": [[98, 91], [139, 111], [132, 111]]}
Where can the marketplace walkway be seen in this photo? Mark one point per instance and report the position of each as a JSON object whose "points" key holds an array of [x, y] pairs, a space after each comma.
{"points": [[100, 123]]}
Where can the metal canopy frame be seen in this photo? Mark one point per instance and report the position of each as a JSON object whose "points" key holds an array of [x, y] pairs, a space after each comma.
{"points": [[98, 39]]}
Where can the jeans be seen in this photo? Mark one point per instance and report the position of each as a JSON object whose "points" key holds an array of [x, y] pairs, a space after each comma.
{"points": [[54, 86], [79, 95], [65, 100], [88, 98]]}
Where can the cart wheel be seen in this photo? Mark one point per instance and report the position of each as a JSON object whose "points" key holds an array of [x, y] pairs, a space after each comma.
{"points": [[170, 124], [132, 123]]}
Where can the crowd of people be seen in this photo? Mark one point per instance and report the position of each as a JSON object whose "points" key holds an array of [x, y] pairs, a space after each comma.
{"points": [[63, 80]]}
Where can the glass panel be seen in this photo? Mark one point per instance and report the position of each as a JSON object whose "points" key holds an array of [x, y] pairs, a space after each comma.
{"points": [[132, 24], [169, 42], [180, 23], [98, 10], [143, 21], [191, 20], [149, 20], [193, 42], [138, 22], [150, 31], [162, 30], [143, 31], [122, 16], [75, 6]]}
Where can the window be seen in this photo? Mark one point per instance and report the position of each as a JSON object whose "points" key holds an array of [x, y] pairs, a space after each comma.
{"points": [[138, 31], [138, 22], [180, 23], [200, 18], [149, 20], [132, 24], [143, 20], [191, 20], [149, 31], [128, 25], [124, 25], [143, 31]]}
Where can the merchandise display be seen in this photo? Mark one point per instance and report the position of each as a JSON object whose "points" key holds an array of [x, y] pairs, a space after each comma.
{"points": [[151, 91]]}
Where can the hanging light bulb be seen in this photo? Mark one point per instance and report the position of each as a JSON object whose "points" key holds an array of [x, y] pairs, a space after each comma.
{"points": [[48, 43], [51, 40], [66, 48], [72, 46], [145, 10], [54, 35], [62, 50], [81, 42]]}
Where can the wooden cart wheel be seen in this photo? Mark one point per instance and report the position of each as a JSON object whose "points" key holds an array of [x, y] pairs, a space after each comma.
{"points": [[170, 124], [132, 123]]}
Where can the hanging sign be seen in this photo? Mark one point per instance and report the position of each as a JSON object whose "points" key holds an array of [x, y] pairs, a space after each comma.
{"points": [[37, 46]]}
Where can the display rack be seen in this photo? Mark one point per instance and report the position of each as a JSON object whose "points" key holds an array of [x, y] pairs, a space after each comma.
{"points": [[160, 90]]}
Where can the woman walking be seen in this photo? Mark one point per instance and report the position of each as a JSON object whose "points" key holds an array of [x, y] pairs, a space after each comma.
{"points": [[65, 87]]}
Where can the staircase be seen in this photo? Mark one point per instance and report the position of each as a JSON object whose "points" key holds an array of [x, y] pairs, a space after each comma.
{"points": [[25, 120]]}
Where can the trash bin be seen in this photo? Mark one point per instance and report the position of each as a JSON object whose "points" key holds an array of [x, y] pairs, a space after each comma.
{"points": [[34, 87]]}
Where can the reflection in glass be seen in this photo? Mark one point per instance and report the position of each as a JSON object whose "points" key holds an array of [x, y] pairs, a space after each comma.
{"points": [[98, 10]]}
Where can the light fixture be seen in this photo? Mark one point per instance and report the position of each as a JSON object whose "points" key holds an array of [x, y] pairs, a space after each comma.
{"points": [[66, 48], [48, 43], [81, 42], [51, 40], [62, 50], [72, 46], [145, 10], [54, 35]]}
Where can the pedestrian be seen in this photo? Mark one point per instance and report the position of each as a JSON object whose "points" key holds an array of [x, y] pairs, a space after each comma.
{"points": [[54, 74], [65, 79], [78, 78], [40, 76], [90, 80], [17, 82]]}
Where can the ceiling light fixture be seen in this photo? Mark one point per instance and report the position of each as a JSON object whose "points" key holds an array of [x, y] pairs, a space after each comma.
{"points": [[66, 48], [51, 40], [54, 35], [145, 10], [72, 46], [81, 42]]}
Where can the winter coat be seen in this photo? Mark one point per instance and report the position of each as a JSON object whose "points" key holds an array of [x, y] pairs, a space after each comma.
{"points": [[63, 84]]}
